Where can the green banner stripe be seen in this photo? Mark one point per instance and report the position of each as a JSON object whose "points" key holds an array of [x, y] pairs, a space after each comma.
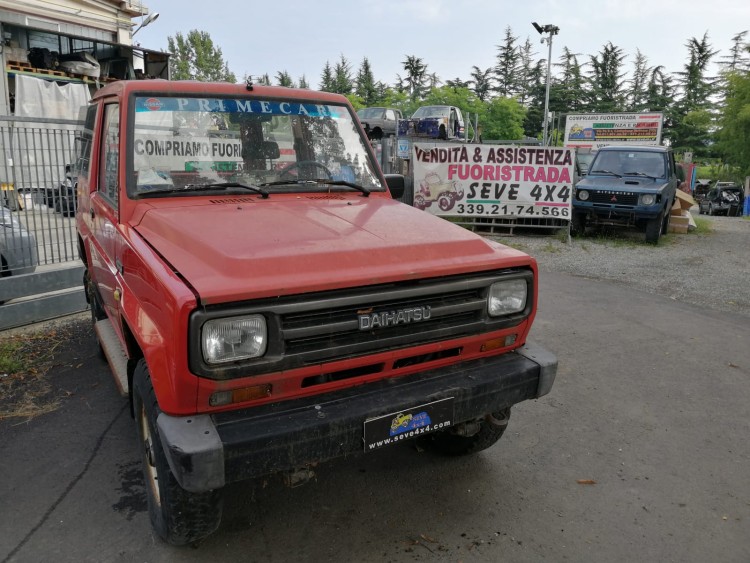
{"points": [[482, 201]]}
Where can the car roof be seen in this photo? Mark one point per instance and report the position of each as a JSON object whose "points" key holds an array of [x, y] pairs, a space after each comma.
{"points": [[628, 148]]}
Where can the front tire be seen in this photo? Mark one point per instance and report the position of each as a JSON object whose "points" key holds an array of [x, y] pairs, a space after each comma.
{"points": [[491, 429], [578, 224], [665, 223], [653, 228], [178, 516]]}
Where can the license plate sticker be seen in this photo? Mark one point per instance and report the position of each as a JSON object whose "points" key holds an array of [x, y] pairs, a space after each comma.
{"points": [[392, 428]]}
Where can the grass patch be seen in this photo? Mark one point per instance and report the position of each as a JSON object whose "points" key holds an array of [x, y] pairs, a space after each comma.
{"points": [[11, 360], [702, 226], [24, 362], [551, 248]]}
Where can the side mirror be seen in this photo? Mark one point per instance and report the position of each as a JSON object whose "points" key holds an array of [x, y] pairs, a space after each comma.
{"points": [[395, 185]]}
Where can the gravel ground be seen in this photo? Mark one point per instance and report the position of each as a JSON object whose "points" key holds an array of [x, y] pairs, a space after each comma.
{"points": [[709, 269]]}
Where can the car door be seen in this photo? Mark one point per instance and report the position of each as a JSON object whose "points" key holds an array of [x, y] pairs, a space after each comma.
{"points": [[104, 214]]}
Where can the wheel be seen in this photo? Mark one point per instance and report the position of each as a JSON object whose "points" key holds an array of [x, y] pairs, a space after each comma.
{"points": [[491, 429], [4, 270], [179, 517], [578, 224], [445, 203], [442, 132], [653, 229], [665, 223], [419, 202], [97, 311], [304, 170]]}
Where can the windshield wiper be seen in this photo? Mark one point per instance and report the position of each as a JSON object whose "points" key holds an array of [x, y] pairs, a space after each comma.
{"points": [[213, 186], [606, 172], [640, 174], [365, 191]]}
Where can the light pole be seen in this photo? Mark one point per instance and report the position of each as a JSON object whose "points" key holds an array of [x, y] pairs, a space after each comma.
{"points": [[149, 19], [552, 30]]}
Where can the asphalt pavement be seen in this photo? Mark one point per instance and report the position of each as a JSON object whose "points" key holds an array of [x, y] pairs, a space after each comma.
{"points": [[640, 452]]}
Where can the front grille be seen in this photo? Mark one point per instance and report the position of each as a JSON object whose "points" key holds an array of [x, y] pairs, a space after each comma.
{"points": [[325, 327], [614, 198]]}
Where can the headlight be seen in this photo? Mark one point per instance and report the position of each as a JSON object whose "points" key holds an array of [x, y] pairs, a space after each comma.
{"points": [[6, 218], [506, 297], [648, 199], [583, 195], [232, 339]]}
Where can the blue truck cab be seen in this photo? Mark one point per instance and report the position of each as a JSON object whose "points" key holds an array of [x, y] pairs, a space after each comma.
{"points": [[628, 186]]}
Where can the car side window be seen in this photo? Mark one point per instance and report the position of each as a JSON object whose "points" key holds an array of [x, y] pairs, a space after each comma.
{"points": [[84, 148], [110, 153], [390, 115]]}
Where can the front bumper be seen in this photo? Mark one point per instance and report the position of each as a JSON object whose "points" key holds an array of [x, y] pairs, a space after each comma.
{"points": [[618, 214], [19, 250], [205, 452]]}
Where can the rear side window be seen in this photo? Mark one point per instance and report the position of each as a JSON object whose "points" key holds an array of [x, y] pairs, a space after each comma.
{"points": [[110, 153], [84, 142]]}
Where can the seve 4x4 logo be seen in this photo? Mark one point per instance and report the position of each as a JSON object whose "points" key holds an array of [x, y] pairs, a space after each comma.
{"points": [[405, 422]]}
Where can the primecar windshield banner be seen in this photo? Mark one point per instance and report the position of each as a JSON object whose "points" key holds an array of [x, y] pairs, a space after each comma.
{"points": [[493, 180]]}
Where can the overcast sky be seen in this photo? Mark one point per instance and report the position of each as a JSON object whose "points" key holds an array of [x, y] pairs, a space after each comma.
{"points": [[450, 36]]}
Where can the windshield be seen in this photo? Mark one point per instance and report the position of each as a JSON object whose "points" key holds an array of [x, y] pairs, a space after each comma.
{"points": [[370, 113], [630, 163], [184, 143], [432, 111]]}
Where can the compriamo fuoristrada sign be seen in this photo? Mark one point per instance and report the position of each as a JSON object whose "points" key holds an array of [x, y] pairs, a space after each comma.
{"points": [[493, 180]]}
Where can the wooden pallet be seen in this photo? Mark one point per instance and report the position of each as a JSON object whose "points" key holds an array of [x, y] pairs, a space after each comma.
{"points": [[26, 67]]}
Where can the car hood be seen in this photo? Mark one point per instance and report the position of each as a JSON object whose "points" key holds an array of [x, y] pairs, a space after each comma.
{"points": [[280, 246], [626, 183]]}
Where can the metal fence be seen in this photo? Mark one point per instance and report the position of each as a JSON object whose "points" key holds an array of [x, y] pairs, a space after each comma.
{"points": [[35, 186]]}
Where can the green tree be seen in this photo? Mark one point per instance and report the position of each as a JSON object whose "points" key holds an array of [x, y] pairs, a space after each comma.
{"points": [[416, 79], [691, 118], [327, 83], [508, 62], [738, 58], [458, 83], [636, 95], [342, 77], [568, 92], [502, 119], [528, 72], [303, 83], [283, 78], [734, 134], [534, 99], [659, 90], [481, 82], [365, 86], [194, 57], [606, 80]]}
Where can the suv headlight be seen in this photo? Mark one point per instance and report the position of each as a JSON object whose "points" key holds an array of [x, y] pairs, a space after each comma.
{"points": [[6, 218], [583, 195], [648, 199], [507, 297], [235, 338]]}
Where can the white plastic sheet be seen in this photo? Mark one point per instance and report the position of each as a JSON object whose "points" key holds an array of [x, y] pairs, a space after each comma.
{"points": [[42, 149]]}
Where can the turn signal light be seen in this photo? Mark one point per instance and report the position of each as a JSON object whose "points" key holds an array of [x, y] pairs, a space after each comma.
{"points": [[240, 395], [497, 343]]}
